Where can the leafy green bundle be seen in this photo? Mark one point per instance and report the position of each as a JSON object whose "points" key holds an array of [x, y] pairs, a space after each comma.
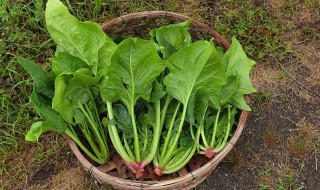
{"points": [[160, 100]]}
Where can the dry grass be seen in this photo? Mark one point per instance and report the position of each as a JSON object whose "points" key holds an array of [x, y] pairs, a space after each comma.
{"points": [[271, 137], [303, 143], [74, 178], [291, 156]]}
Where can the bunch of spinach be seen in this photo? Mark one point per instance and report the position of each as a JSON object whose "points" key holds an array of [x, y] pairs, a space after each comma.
{"points": [[159, 100], [204, 83], [68, 98]]}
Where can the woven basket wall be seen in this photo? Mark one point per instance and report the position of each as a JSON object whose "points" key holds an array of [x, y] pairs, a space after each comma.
{"points": [[115, 172]]}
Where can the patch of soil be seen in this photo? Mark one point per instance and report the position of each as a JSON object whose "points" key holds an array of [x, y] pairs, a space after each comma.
{"points": [[43, 175]]}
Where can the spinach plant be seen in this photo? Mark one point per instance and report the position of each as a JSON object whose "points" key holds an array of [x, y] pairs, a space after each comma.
{"points": [[134, 67], [68, 98], [160, 100], [237, 67]]}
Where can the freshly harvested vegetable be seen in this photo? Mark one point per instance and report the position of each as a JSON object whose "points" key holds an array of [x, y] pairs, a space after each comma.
{"points": [[68, 98], [237, 67], [134, 67], [160, 100]]}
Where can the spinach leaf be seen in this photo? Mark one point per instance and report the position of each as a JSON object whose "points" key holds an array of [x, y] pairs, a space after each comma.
{"points": [[79, 90], [172, 38], [158, 91], [123, 120], [43, 108], [64, 62], [105, 54], [134, 66], [42, 80], [37, 129], [80, 39], [236, 61], [61, 104], [145, 138], [193, 68], [229, 89], [130, 76]]}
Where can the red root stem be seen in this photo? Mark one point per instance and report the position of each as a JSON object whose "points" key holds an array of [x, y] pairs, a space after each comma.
{"points": [[209, 153], [136, 169], [158, 171]]}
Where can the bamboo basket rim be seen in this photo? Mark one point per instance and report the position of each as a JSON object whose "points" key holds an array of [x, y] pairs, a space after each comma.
{"points": [[191, 176]]}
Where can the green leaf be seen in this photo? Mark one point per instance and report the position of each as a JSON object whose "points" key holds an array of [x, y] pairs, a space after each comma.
{"points": [[42, 81], [145, 133], [202, 102], [223, 122], [79, 117], [105, 54], [158, 91], [209, 121], [147, 118], [63, 105], [134, 66], [229, 89], [79, 88], [190, 110], [185, 143], [173, 37], [185, 139], [66, 63], [192, 70], [236, 61], [43, 108], [239, 102], [80, 39], [123, 120], [36, 130]]}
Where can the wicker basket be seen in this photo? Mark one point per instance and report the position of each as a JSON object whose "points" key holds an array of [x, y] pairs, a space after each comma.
{"points": [[116, 173]]}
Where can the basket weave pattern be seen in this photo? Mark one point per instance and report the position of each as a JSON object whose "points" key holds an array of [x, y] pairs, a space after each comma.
{"points": [[115, 172]]}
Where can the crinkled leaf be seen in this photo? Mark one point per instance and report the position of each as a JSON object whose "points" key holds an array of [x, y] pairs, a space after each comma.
{"points": [[192, 69], [79, 88], [173, 37], [158, 91], [148, 118], [101, 106], [145, 133], [43, 82], [134, 66], [123, 120], [61, 104], [36, 130], [141, 107], [185, 139]]}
